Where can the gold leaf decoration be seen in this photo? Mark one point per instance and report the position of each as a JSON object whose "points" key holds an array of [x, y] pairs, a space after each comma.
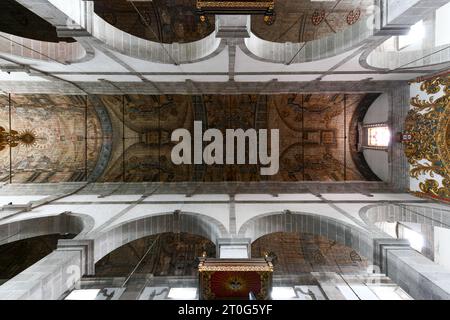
{"points": [[428, 152]]}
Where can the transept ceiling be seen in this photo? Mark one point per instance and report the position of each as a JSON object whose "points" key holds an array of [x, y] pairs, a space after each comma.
{"points": [[177, 21]]}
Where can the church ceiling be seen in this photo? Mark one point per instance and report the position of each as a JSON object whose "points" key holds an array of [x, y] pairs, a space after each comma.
{"points": [[304, 20], [19, 21], [172, 255], [128, 138], [177, 255], [170, 21], [164, 21], [302, 253], [52, 145]]}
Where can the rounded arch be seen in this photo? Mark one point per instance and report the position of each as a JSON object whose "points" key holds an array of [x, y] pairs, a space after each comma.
{"points": [[358, 35], [333, 229], [66, 222], [355, 140], [62, 52], [427, 215], [385, 58], [189, 222]]}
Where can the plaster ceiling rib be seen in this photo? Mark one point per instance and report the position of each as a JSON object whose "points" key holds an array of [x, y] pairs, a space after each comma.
{"points": [[366, 47], [153, 32], [31, 49], [47, 75], [231, 59], [191, 87], [304, 44], [98, 45], [189, 83], [418, 59]]}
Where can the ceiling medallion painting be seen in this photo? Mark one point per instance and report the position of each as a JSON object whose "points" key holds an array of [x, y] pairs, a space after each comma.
{"points": [[318, 17], [353, 16], [428, 151], [305, 20], [52, 138], [12, 138]]}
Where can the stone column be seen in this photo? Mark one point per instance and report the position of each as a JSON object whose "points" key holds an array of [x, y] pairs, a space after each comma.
{"points": [[51, 277], [418, 276]]}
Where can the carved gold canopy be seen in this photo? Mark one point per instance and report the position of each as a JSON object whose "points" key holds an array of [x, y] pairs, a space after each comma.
{"points": [[429, 150], [236, 6], [235, 278]]}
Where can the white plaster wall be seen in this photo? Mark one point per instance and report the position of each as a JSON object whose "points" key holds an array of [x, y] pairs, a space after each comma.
{"points": [[281, 197], [73, 9], [99, 212], [441, 246], [378, 161], [95, 198], [19, 199], [245, 212], [219, 212], [379, 110], [362, 197]]}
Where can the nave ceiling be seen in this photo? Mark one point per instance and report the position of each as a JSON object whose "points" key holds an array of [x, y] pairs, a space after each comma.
{"points": [[128, 138]]}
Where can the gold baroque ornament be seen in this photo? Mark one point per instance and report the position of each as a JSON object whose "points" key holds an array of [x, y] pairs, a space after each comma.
{"points": [[236, 4], [428, 152]]}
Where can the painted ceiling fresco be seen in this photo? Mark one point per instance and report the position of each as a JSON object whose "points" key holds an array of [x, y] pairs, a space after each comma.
{"points": [[128, 138], [177, 255], [304, 20], [302, 253], [172, 255], [164, 21], [54, 146], [170, 21]]}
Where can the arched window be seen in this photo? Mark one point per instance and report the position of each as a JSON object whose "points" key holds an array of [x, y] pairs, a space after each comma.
{"points": [[375, 136]]}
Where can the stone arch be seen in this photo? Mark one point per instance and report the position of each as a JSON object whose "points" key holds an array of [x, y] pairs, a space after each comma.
{"points": [[189, 222], [174, 53], [433, 216], [427, 217], [65, 222], [378, 59], [359, 34], [63, 52], [333, 229]]}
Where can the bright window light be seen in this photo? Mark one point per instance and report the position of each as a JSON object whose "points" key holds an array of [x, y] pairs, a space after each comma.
{"points": [[347, 292], [379, 137], [415, 239], [415, 35], [182, 294], [84, 294], [388, 292], [283, 293]]}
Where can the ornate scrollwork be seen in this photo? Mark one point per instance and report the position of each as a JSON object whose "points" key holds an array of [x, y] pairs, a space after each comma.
{"points": [[428, 152], [12, 138]]}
